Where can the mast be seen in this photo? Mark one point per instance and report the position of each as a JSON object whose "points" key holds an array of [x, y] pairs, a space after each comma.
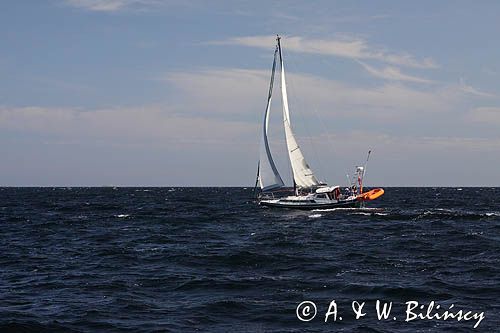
{"points": [[364, 171], [302, 174]]}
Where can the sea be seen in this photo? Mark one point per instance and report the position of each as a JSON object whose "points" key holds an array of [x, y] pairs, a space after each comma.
{"points": [[169, 259]]}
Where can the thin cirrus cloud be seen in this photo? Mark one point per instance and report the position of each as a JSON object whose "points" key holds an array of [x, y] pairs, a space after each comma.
{"points": [[109, 5], [392, 101], [473, 91], [393, 74], [347, 47], [153, 125], [206, 92]]}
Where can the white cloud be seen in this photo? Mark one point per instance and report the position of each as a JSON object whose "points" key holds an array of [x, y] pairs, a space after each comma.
{"points": [[471, 90], [361, 140], [213, 125], [151, 125], [403, 160], [234, 91], [127, 146], [243, 92], [110, 5], [487, 115], [392, 73], [430, 117], [347, 47]]}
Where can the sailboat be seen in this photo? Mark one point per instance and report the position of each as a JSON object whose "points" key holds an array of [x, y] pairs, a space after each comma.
{"points": [[308, 191]]}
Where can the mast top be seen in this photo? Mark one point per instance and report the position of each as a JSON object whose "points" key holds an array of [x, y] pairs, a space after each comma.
{"points": [[278, 38]]}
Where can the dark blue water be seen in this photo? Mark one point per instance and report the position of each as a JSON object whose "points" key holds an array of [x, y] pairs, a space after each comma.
{"points": [[209, 259]]}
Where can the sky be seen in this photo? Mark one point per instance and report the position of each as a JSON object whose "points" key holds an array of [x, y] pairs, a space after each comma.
{"points": [[173, 93]]}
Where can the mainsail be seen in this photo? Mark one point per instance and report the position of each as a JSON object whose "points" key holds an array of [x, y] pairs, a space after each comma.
{"points": [[268, 176], [302, 174]]}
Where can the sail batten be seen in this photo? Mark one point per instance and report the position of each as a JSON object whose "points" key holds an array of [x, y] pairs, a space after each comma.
{"points": [[303, 176], [268, 175]]}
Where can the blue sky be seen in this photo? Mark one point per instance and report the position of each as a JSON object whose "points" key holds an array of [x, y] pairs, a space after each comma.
{"points": [[172, 93]]}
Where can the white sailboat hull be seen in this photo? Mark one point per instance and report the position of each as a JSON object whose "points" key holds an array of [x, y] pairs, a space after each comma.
{"points": [[306, 203]]}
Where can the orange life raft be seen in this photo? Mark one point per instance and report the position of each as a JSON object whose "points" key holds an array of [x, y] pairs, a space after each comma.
{"points": [[371, 195]]}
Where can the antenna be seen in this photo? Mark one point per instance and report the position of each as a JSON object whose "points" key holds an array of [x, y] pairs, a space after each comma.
{"points": [[364, 171]]}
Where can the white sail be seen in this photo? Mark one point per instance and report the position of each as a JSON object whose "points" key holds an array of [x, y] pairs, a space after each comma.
{"points": [[302, 174], [309, 192], [269, 177]]}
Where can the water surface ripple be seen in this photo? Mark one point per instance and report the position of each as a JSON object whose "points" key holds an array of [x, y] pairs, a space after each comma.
{"points": [[209, 259]]}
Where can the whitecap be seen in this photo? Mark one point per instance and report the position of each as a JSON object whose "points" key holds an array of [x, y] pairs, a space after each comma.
{"points": [[122, 215], [333, 209], [352, 210], [313, 216]]}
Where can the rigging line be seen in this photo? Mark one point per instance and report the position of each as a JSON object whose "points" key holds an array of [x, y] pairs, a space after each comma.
{"points": [[290, 168], [313, 105], [366, 163], [329, 140], [300, 105]]}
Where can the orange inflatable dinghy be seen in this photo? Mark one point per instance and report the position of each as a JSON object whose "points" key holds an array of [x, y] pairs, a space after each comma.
{"points": [[371, 195]]}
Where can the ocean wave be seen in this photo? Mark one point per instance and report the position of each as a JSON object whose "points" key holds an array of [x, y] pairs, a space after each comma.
{"points": [[92, 259]]}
